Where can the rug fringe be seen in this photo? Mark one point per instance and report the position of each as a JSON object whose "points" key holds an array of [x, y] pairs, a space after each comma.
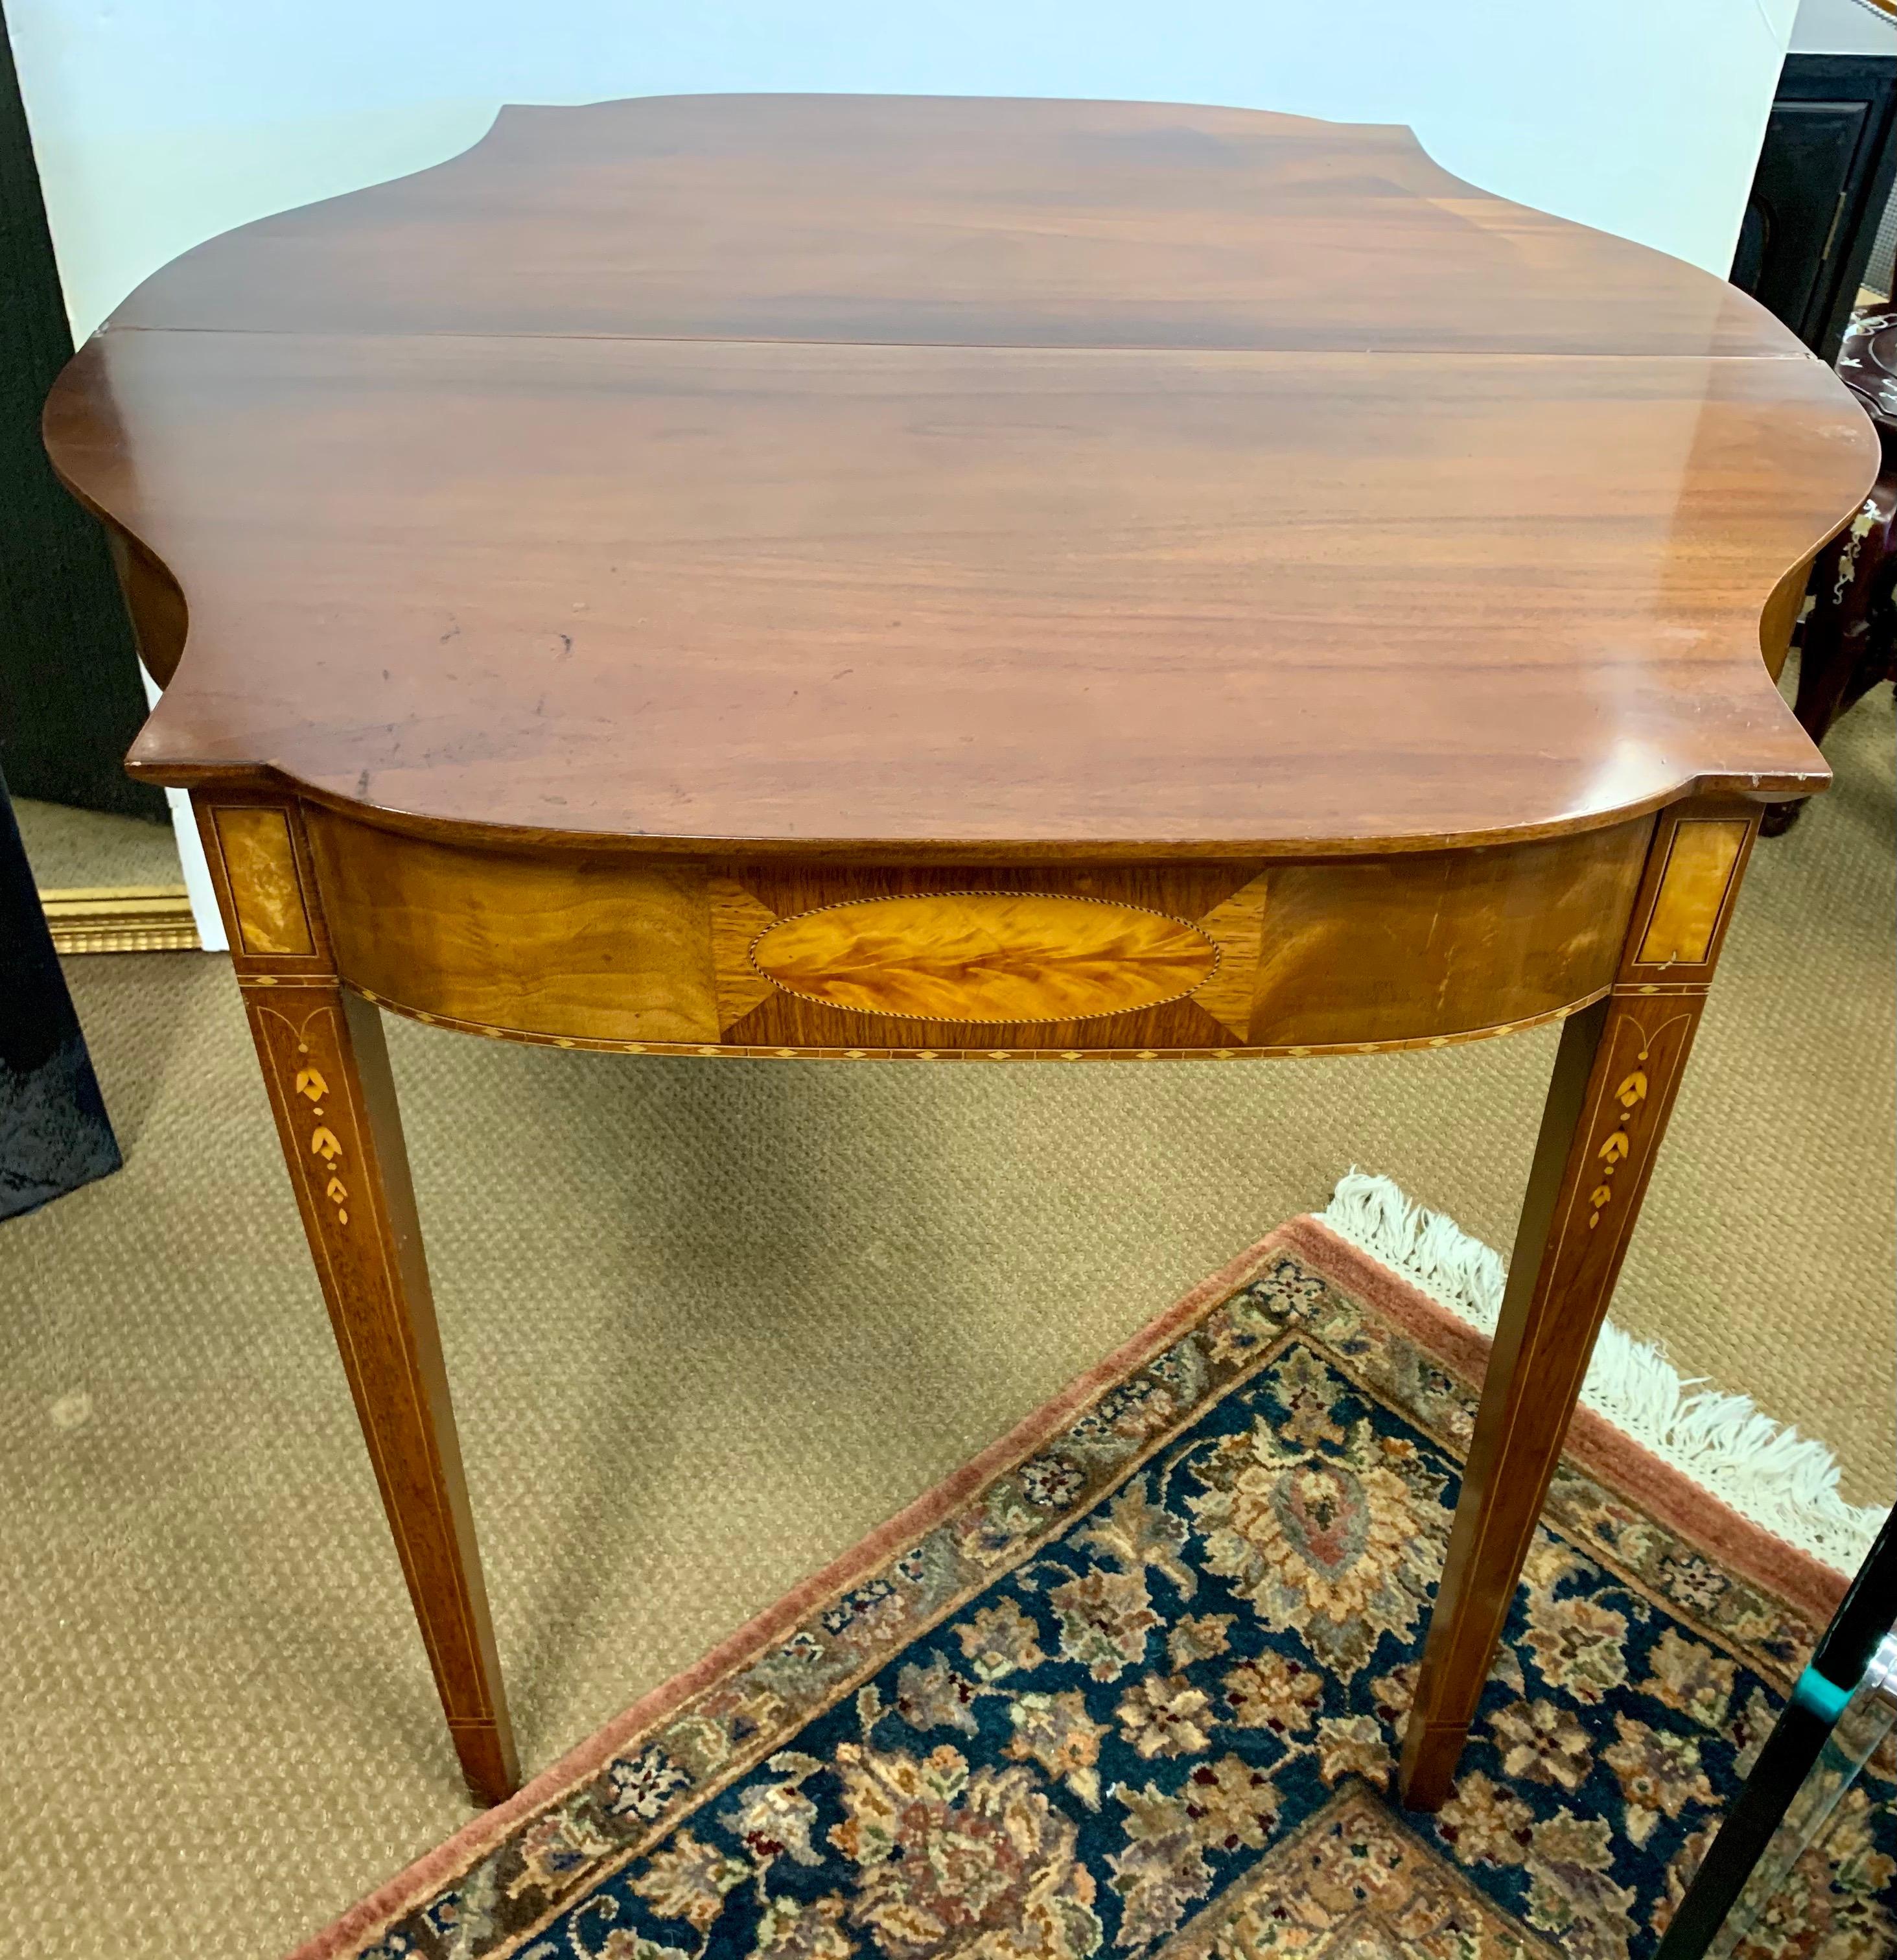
{"points": [[1783, 1482]]}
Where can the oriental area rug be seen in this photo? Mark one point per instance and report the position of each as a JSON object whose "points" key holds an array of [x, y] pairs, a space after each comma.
{"points": [[1133, 1683]]}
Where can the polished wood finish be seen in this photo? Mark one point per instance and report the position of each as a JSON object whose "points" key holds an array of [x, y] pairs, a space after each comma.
{"points": [[969, 956], [607, 946], [159, 620], [986, 597], [807, 577], [736, 920], [947, 221], [1696, 878], [260, 874], [326, 1069], [1616, 1075], [978, 581], [1435, 944], [614, 947], [1779, 622]]}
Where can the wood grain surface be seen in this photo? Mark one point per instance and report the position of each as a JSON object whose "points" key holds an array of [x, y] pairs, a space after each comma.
{"points": [[325, 1070], [1702, 858], [1425, 944], [267, 894], [967, 221], [986, 956], [677, 517], [1616, 1075], [615, 946], [1191, 481]]}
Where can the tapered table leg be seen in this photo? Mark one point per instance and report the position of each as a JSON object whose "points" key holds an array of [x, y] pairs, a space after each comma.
{"points": [[1615, 1076], [326, 1067]]}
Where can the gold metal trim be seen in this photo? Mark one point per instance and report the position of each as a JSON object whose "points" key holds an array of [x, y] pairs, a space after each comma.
{"points": [[121, 918]]}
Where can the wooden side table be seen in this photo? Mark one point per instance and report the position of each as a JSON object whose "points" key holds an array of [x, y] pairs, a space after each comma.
{"points": [[960, 581]]}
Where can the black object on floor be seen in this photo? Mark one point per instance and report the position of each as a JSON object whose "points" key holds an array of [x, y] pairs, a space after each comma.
{"points": [[55, 1134], [1838, 1664]]}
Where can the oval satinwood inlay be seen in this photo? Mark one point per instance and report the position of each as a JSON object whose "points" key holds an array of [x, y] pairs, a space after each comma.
{"points": [[985, 957]]}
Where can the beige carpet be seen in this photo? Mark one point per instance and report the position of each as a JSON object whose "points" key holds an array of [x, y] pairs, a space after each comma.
{"points": [[72, 849], [709, 1322]]}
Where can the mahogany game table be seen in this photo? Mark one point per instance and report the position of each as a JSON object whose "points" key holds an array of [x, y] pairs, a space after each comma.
{"points": [[953, 579]]}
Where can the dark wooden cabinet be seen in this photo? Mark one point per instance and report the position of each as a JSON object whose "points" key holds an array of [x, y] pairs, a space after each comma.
{"points": [[1824, 173]]}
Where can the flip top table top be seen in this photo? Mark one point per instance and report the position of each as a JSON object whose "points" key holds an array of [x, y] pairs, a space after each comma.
{"points": [[1062, 479]]}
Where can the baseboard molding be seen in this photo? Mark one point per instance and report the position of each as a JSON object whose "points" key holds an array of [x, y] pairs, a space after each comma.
{"points": [[121, 918]]}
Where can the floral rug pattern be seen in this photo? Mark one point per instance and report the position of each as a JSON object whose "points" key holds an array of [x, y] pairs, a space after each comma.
{"points": [[1142, 1695]]}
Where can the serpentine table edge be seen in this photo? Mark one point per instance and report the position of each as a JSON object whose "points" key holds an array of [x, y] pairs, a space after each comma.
{"points": [[1586, 875]]}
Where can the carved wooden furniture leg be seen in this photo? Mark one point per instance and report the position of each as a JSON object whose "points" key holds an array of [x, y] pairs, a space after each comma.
{"points": [[1615, 1076], [326, 1067]]}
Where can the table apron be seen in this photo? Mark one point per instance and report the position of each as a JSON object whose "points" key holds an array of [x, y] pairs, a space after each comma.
{"points": [[615, 950]]}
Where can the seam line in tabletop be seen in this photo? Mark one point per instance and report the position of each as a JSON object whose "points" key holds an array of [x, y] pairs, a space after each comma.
{"points": [[1795, 355]]}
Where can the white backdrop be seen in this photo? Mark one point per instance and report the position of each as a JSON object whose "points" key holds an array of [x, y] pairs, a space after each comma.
{"points": [[159, 123]]}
